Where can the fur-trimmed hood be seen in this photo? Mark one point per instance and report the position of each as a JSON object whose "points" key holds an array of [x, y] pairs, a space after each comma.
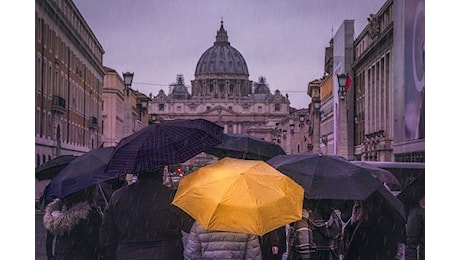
{"points": [[64, 220]]}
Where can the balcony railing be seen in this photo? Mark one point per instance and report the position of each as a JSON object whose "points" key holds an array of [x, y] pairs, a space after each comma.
{"points": [[58, 104]]}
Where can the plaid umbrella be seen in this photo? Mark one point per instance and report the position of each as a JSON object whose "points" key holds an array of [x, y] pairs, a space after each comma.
{"points": [[162, 144], [244, 146], [49, 169], [84, 171]]}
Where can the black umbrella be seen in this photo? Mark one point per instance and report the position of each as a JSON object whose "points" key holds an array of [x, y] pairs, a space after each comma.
{"points": [[82, 172], [166, 143], [384, 175], [49, 169], [413, 192], [333, 178], [243, 146]]}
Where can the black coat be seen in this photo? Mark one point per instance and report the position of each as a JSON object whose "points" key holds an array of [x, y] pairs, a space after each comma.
{"points": [[76, 230], [273, 238], [416, 234], [141, 223]]}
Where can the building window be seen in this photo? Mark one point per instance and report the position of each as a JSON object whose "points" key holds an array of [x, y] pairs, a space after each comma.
{"points": [[161, 107], [208, 108], [277, 107], [259, 109], [43, 158], [230, 129], [230, 108], [38, 160], [102, 126]]}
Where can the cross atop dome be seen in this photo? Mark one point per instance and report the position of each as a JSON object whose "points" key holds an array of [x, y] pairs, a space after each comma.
{"points": [[221, 36]]}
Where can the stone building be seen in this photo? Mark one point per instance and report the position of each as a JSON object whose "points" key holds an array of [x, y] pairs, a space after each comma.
{"points": [[381, 117], [124, 110], [373, 83], [68, 81], [223, 93]]}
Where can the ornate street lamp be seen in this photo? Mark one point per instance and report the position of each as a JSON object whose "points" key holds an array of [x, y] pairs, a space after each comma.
{"points": [[342, 80], [291, 125], [128, 80]]}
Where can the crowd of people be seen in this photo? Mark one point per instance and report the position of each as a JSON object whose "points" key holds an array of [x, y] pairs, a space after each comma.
{"points": [[139, 222]]}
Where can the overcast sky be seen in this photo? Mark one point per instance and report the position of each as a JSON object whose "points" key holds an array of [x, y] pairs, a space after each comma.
{"points": [[281, 40]]}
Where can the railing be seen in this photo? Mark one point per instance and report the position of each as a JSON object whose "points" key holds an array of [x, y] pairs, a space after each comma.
{"points": [[58, 104]]}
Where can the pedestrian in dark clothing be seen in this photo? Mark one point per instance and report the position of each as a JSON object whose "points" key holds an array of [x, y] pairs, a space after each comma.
{"points": [[301, 244], [371, 234], [327, 230], [141, 223], [415, 245], [273, 244], [75, 223]]}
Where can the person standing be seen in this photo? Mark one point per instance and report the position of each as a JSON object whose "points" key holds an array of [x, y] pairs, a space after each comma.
{"points": [[74, 221], [415, 232], [301, 244], [327, 230], [273, 244], [141, 223], [371, 233], [204, 244]]}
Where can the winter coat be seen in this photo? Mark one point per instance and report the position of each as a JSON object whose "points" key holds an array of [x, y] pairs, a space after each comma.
{"points": [[141, 223], [273, 238], [415, 234], [203, 244], [327, 234], [76, 229], [301, 244]]}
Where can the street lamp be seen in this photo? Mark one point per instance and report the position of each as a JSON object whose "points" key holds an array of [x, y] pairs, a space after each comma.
{"points": [[128, 80], [301, 118], [291, 125], [342, 80]]}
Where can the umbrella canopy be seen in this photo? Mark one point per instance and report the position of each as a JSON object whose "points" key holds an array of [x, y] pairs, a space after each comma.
{"points": [[243, 146], [162, 144], [334, 178], [49, 169], [239, 195], [384, 175], [82, 172], [413, 192], [326, 176]]}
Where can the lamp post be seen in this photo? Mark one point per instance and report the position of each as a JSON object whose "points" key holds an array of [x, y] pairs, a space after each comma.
{"points": [[127, 80], [342, 81]]}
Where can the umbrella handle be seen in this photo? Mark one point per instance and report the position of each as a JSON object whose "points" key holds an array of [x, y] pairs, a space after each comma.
{"points": [[103, 194]]}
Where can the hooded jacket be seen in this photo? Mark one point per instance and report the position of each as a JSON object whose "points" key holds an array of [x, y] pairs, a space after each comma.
{"points": [[203, 244], [76, 229], [141, 223]]}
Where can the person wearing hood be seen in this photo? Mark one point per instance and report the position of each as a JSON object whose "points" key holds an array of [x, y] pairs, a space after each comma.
{"points": [[141, 223], [74, 221]]}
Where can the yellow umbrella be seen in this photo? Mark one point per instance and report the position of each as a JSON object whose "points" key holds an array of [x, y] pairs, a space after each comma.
{"points": [[238, 195]]}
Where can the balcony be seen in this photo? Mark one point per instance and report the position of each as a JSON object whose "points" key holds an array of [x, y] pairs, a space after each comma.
{"points": [[92, 122], [58, 104]]}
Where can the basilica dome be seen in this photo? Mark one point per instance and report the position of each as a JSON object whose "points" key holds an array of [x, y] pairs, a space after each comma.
{"points": [[221, 58]]}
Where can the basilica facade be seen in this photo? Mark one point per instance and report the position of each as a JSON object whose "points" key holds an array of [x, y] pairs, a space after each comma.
{"points": [[223, 93]]}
